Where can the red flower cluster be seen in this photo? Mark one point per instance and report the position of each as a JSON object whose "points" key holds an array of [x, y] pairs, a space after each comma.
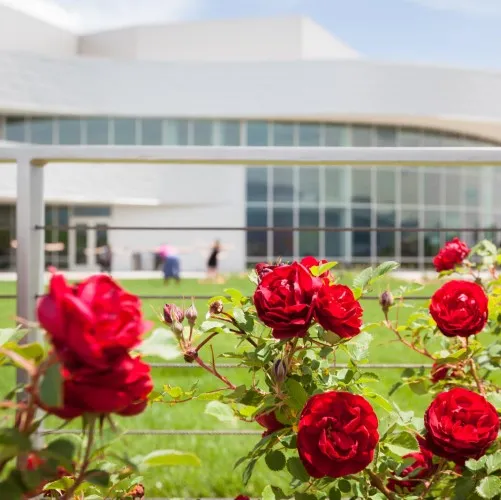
{"points": [[451, 255], [93, 325], [460, 424], [288, 299], [338, 432], [270, 422], [422, 468], [459, 308]]}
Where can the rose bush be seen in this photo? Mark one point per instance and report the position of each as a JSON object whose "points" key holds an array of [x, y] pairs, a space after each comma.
{"points": [[330, 427], [91, 369]]}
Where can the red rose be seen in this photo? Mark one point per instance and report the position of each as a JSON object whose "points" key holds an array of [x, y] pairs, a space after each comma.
{"points": [[452, 254], [123, 388], [338, 432], [421, 468], [459, 308], [91, 323], [310, 262], [263, 268], [337, 310], [269, 422], [283, 300], [242, 497], [460, 424], [444, 371]]}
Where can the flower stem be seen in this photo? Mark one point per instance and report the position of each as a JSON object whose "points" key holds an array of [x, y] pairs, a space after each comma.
{"points": [[433, 479], [473, 367], [214, 372], [378, 483], [85, 462], [423, 352]]}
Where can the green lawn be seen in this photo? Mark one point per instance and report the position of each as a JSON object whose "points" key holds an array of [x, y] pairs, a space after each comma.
{"points": [[216, 477]]}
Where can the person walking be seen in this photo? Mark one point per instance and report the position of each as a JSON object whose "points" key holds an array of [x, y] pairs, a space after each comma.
{"points": [[171, 266]]}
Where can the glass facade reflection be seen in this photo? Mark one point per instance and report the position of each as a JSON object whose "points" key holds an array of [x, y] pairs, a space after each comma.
{"points": [[306, 196]]}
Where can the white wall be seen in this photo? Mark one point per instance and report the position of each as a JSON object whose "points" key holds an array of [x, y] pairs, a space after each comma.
{"points": [[117, 44], [21, 32]]}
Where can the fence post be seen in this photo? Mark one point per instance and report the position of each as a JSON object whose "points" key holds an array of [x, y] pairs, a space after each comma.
{"points": [[30, 212]]}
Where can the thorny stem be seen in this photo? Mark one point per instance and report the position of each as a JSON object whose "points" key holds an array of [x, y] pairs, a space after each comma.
{"points": [[85, 463], [473, 367], [214, 372], [230, 319], [423, 352], [378, 483], [433, 479], [199, 346]]}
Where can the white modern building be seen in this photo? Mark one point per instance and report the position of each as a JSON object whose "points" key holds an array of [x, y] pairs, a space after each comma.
{"points": [[283, 81]]}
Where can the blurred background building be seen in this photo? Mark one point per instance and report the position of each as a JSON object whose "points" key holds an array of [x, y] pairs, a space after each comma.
{"points": [[261, 82]]}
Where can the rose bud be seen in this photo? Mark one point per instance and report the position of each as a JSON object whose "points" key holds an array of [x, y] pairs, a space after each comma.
{"points": [[173, 313], [386, 300], [191, 314], [216, 307], [279, 371], [178, 329], [190, 355], [136, 492]]}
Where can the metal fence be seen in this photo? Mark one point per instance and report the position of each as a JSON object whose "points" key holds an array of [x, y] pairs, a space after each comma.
{"points": [[30, 224]]}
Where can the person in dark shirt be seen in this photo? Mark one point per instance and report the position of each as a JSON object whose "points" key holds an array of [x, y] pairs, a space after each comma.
{"points": [[213, 261]]}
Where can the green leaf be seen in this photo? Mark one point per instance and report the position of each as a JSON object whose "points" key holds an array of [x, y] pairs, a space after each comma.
{"points": [[297, 470], [318, 270], [63, 484], [344, 485], [363, 279], [334, 494], [221, 411], [296, 393], [247, 474], [11, 335], [62, 450], [97, 477], [161, 344], [275, 460], [237, 297], [33, 351], [493, 462], [51, 388], [475, 465], [358, 347], [378, 399], [368, 377], [463, 488], [489, 487], [169, 458], [385, 268], [495, 399], [268, 493], [345, 375], [403, 444]]}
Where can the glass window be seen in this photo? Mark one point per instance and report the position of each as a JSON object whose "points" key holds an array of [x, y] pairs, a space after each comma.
{"points": [[257, 184], [361, 136], [453, 187], [41, 130], [410, 240], [386, 136], [361, 185], [124, 131], [6, 236], [432, 188], [386, 240], [257, 133], [283, 134], [411, 186], [335, 184], [96, 130], [283, 184], [336, 135], [309, 134], [309, 184], [151, 132], [308, 240], [408, 137], [230, 133], [431, 139], [472, 189], [15, 129], [431, 238], [472, 220], [283, 241], [177, 133], [334, 240], [453, 221], [91, 211], [361, 240], [256, 240], [203, 133], [385, 186], [70, 131]]}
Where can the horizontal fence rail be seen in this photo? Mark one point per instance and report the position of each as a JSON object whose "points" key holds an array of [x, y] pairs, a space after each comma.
{"points": [[248, 155]]}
